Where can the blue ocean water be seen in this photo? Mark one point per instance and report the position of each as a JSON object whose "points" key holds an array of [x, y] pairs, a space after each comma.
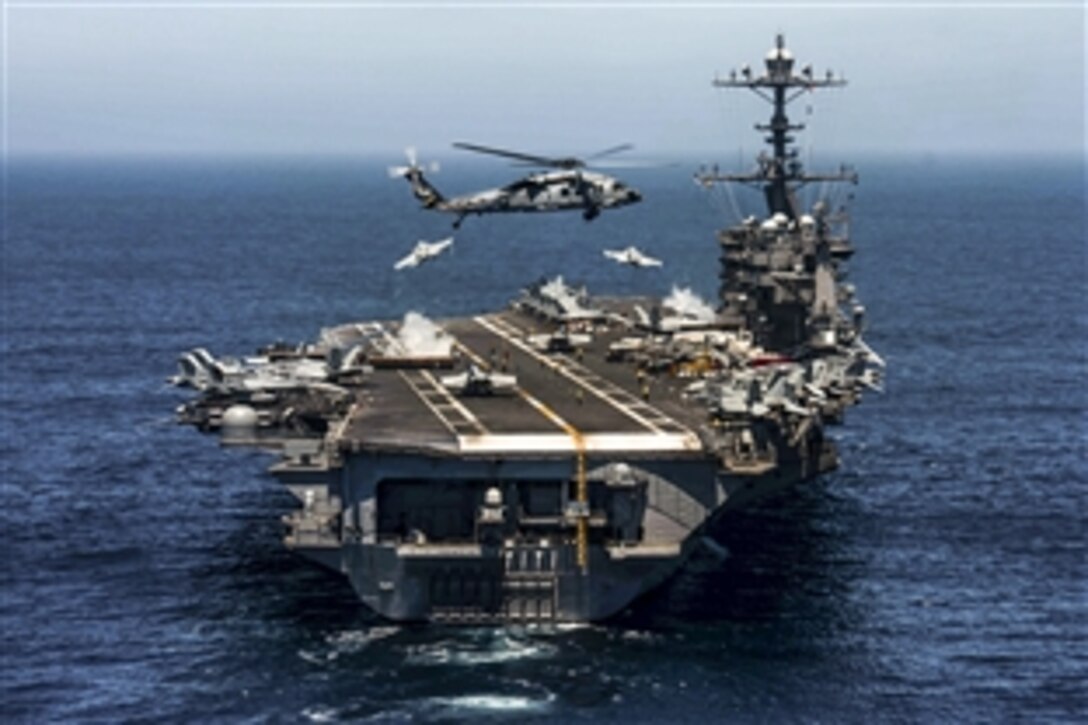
{"points": [[939, 575]]}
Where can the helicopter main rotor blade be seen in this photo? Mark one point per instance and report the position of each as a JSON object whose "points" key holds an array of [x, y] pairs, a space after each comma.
{"points": [[636, 164], [518, 156], [610, 151]]}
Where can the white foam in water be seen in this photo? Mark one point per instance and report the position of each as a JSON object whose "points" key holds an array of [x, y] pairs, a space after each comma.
{"points": [[689, 304], [353, 640], [320, 714], [572, 626], [496, 703], [420, 337], [501, 649], [314, 658]]}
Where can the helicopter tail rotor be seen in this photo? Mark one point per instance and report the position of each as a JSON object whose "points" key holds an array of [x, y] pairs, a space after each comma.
{"points": [[400, 172], [422, 189]]}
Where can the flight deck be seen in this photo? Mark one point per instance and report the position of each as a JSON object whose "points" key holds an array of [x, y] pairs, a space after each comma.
{"points": [[563, 401]]}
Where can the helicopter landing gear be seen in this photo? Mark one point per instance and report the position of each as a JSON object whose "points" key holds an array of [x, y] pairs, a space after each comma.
{"points": [[591, 213]]}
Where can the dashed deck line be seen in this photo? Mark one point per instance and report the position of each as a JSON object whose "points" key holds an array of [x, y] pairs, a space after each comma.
{"points": [[626, 397], [474, 437], [525, 395], [450, 411], [622, 400]]}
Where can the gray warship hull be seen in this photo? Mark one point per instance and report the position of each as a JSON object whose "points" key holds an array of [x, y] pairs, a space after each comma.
{"points": [[394, 496]]}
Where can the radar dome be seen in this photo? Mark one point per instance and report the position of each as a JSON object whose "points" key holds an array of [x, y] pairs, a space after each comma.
{"points": [[779, 62], [779, 54], [239, 417]]}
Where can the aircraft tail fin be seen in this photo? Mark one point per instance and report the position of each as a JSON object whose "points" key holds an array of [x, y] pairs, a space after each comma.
{"points": [[200, 369]]}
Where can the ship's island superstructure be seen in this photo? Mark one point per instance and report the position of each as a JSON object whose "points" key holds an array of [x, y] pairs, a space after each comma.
{"points": [[553, 461]]}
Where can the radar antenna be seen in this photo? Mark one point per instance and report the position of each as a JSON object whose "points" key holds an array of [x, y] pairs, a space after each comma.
{"points": [[782, 173]]}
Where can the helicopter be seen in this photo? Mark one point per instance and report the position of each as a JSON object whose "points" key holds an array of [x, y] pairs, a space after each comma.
{"points": [[568, 187]]}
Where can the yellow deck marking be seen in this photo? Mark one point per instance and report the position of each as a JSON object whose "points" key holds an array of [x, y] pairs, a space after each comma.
{"points": [[581, 485]]}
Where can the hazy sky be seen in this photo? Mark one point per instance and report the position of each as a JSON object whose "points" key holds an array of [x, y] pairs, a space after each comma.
{"points": [[215, 77]]}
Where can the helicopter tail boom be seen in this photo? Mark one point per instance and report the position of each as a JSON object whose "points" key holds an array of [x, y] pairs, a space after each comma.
{"points": [[422, 189]]}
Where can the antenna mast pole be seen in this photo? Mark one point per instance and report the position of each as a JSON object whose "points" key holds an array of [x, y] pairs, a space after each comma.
{"points": [[780, 174]]}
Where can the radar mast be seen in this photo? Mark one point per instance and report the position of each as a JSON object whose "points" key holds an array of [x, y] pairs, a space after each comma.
{"points": [[781, 174]]}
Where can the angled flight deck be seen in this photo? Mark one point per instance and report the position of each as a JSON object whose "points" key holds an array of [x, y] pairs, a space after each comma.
{"points": [[560, 403]]}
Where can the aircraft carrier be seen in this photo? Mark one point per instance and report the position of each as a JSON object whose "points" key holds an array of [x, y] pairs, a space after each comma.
{"points": [[555, 460]]}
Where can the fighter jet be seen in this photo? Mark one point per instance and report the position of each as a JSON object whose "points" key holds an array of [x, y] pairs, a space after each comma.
{"points": [[654, 321], [422, 252], [556, 300], [626, 347], [743, 397], [200, 370], [633, 257], [562, 340], [781, 390], [477, 382]]}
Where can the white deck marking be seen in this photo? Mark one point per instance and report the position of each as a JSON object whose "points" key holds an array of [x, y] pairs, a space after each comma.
{"points": [[478, 440], [587, 442], [572, 441], [438, 399], [450, 400], [532, 400], [622, 400], [632, 401], [612, 390]]}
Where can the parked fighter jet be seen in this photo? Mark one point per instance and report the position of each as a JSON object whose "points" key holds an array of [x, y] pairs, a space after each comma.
{"points": [[742, 396], [422, 252], [557, 301], [784, 388], [633, 257], [475, 381], [569, 187], [562, 340], [200, 370], [655, 321]]}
